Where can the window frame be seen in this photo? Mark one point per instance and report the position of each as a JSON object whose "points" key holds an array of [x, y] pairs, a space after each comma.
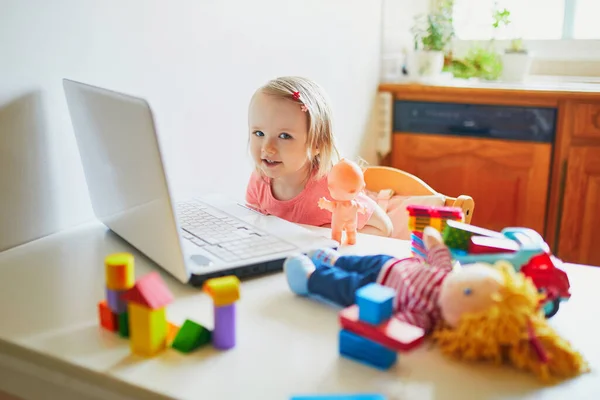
{"points": [[566, 48]]}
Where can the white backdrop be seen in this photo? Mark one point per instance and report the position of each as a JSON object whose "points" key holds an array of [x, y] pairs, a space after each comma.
{"points": [[196, 61]]}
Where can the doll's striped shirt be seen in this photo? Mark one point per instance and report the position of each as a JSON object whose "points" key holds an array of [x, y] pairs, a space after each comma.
{"points": [[417, 283]]}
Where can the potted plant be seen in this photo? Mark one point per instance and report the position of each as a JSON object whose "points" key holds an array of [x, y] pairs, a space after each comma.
{"points": [[516, 62], [432, 33]]}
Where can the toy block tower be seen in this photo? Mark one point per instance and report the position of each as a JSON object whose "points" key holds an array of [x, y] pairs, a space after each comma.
{"points": [[370, 334], [225, 292], [120, 277], [422, 216], [148, 326]]}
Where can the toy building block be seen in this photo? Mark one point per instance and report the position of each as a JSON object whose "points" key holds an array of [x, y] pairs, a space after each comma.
{"points": [[392, 333], [115, 301], [365, 351], [361, 396], [223, 290], [119, 271], [223, 335], [147, 301], [490, 245], [190, 336], [457, 235], [172, 330], [123, 319], [108, 319], [375, 303]]}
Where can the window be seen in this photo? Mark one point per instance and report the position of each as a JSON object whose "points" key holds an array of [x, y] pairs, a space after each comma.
{"points": [[530, 19]]}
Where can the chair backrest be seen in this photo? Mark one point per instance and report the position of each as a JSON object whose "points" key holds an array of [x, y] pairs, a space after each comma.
{"points": [[379, 178]]}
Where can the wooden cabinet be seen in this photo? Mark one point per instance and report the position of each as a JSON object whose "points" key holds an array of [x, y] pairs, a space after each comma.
{"points": [[552, 186], [508, 180], [579, 235]]}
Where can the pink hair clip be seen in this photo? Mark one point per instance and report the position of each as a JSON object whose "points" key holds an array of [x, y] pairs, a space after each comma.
{"points": [[303, 108]]}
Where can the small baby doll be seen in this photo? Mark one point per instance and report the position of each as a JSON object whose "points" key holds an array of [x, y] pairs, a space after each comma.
{"points": [[345, 182], [336, 278]]}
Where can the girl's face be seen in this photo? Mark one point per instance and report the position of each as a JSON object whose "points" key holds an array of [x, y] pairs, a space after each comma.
{"points": [[278, 136]]}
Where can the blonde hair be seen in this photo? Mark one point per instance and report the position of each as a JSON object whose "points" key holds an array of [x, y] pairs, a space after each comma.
{"points": [[319, 116], [501, 333]]}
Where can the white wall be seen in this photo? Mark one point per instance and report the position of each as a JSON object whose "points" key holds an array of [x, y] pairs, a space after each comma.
{"points": [[196, 61]]}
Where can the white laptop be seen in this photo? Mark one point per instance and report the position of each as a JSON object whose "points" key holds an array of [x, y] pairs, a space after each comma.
{"points": [[194, 240]]}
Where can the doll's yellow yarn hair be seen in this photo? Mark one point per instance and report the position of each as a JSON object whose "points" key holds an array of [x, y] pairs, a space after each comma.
{"points": [[500, 334]]}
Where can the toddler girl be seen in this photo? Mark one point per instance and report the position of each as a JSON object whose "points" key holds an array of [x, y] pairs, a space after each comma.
{"points": [[293, 148]]}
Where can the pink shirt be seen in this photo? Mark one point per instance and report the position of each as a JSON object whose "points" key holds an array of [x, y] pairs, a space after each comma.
{"points": [[302, 209]]}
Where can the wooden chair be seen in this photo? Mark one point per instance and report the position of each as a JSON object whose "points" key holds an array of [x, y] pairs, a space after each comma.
{"points": [[379, 178]]}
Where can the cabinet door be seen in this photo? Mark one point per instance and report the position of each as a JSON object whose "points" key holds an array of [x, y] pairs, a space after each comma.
{"points": [[508, 180], [579, 234]]}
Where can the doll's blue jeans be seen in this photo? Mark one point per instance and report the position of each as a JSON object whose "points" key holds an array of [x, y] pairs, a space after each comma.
{"points": [[338, 283]]}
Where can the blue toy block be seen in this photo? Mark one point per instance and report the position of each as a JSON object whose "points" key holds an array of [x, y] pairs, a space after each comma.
{"points": [[364, 396], [366, 351], [375, 303]]}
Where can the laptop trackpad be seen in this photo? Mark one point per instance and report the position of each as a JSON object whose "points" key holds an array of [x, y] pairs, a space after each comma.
{"points": [[201, 260]]}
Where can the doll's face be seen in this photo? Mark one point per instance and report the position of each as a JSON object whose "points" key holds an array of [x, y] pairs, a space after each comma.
{"points": [[468, 289], [345, 181], [278, 136]]}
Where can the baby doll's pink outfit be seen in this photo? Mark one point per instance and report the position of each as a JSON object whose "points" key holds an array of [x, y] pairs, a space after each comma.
{"points": [[302, 209]]}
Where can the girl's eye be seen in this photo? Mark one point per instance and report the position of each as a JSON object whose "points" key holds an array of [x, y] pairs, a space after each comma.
{"points": [[258, 133], [285, 136]]}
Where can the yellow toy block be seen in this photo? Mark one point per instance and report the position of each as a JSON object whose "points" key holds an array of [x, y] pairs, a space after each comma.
{"points": [[436, 223], [224, 290], [119, 271], [148, 329]]}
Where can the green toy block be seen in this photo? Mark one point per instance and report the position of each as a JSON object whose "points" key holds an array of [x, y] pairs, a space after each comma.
{"points": [[123, 324], [456, 238], [190, 336]]}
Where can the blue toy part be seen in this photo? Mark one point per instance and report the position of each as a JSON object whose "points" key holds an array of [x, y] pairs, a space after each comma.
{"points": [[375, 303], [366, 351], [530, 242], [362, 396]]}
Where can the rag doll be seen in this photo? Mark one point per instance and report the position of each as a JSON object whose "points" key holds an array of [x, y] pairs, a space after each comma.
{"points": [[345, 182], [475, 312]]}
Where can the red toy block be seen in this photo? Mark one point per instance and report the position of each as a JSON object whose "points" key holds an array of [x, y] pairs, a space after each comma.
{"points": [[392, 333], [435, 211], [149, 291], [491, 245], [108, 319]]}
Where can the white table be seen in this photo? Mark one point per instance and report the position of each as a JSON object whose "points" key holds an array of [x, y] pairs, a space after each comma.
{"points": [[50, 340]]}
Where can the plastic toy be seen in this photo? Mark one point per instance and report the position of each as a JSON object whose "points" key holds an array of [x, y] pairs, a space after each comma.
{"points": [[375, 303], [119, 277], [370, 334], [224, 291], [528, 254], [364, 350], [137, 310], [147, 301], [363, 396], [345, 181], [423, 216], [190, 336], [391, 333]]}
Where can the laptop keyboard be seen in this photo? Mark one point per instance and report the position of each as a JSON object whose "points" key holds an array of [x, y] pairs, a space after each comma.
{"points": [[226, 237]]}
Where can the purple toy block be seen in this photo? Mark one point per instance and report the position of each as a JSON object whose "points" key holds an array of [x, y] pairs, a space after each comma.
{"points": [[114, 301], [223, 336]]}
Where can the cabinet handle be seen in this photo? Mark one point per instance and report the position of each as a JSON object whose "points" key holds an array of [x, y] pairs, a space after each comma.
{"points": [[561, 197]]}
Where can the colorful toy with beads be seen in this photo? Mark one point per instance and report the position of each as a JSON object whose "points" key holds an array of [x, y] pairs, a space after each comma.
{"points": [[457, 235], [225, 292], [422, 216]]}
